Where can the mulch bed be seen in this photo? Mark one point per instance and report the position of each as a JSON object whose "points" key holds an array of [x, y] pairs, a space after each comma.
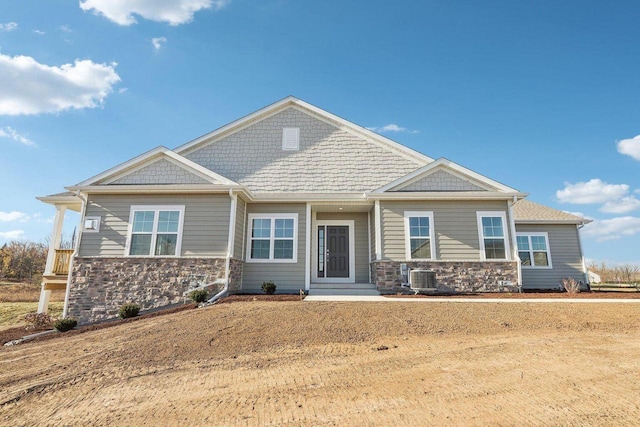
{"points": [[529, 295], [20, 331], [259, 297]]}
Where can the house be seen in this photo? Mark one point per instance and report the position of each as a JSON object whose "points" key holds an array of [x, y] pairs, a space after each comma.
{"points": [[297, 195], [594, 277]]}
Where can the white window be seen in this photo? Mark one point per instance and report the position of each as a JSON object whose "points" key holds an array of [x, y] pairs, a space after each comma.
{"points": [[155, 230], [272, 238], [291, 139], [492, 228], [419, 235], [91, 224], [533, 250]]}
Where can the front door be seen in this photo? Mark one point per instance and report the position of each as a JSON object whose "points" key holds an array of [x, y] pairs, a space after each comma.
{"points": [[337, 253]]}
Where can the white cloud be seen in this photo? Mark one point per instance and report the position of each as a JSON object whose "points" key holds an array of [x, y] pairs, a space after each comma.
{"points": [[8, 132], [391, 128], [65, 29], [9, 26], [28, 87], [157, 42], [612, 229], [624, 205], [39, 32], [13, 234], [580, 214], [630, 147], [11, 216], [594, 191], [123, 89], [173, 12]]}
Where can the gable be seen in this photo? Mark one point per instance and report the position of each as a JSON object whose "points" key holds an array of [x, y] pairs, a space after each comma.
{"points": [[441, 181], [443, 175], [330, 158], [160, 172], [157, 166]]}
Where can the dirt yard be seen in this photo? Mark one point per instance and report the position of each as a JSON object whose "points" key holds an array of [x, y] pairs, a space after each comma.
{"points": [[302, 363]]}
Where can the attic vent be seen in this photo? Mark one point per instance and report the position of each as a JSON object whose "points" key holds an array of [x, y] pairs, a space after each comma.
{"points": [[291, 139]]}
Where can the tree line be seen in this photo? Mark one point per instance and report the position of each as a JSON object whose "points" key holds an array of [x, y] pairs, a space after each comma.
{"points": [[625, 273], [23, 260]]}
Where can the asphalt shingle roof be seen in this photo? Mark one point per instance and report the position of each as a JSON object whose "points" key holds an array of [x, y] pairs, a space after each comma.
{"points": [[525, 210]]}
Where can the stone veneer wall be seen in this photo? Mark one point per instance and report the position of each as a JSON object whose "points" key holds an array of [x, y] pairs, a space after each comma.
{"points": [[99, 286], [235, 275], [451, 276]]}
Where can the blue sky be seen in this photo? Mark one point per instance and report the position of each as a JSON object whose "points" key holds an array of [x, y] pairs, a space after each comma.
{"points": [[542, 96]]}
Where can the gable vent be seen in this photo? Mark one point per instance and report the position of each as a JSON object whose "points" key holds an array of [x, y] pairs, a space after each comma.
{"points": [[291, 139]]}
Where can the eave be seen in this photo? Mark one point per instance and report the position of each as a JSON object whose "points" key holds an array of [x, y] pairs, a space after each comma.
{"points": [[157, 189], [552, 221]]}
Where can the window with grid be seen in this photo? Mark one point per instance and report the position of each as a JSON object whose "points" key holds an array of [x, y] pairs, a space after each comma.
{"points": [[155, 231], [272, 237], [493, 240], [419, 235], [533, 249]]}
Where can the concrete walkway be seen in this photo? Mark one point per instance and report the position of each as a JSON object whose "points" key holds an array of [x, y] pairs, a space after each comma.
{"points": [[363, 298]]}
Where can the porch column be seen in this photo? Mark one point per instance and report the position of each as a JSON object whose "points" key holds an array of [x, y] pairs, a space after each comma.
{"points": [[54, 243]]}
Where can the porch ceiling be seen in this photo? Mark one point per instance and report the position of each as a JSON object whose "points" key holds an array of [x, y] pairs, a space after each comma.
{"points": [[342, 207]]}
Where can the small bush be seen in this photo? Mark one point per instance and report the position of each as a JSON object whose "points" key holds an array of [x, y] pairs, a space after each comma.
{"points": [[37, 321], [570, 285], [129, 310], [199, 295], [269, 287], [65, 324]]}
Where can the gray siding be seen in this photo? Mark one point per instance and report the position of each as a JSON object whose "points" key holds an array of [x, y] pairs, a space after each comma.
{"points": [[361, 244], [161, 172], [566, 257], [254, 157], [205, 231], [288, 277], [455, 224], [239, 236]]}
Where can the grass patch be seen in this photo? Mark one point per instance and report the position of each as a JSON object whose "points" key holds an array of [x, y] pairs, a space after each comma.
{"points": [[25, 292], [12, 313]]}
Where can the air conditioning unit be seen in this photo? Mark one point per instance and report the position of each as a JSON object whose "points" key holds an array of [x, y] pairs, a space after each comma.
{"points": [[422, 280]]}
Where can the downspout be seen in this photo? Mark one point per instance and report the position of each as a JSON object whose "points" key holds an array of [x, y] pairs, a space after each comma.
{"points": [[230, 244], [584, 264], [76, 251], [514, 241]]}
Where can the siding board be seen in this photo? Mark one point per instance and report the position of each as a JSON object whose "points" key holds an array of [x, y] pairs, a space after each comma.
{"points": [[205, 231], [455, 224], [288, 277], [566, 258]]}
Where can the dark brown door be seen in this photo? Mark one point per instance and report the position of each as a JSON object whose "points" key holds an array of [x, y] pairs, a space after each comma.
{"points": [[337, 251]]}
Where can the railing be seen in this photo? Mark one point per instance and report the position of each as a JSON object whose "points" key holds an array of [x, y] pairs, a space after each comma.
{"points": [[61, 261]]}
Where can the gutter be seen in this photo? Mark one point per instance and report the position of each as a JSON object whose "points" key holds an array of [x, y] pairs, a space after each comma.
{"points": [[76, 251]]}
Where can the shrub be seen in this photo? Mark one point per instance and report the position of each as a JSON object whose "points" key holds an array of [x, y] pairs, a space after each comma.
{"points": [[199, 295], [269, 287], [37, 321], [570, 285], [129, 310], [65, 324]]}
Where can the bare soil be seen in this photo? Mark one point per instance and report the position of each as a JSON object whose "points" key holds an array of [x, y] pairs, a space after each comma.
{"points": [[531, 295], [302, 363]]}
